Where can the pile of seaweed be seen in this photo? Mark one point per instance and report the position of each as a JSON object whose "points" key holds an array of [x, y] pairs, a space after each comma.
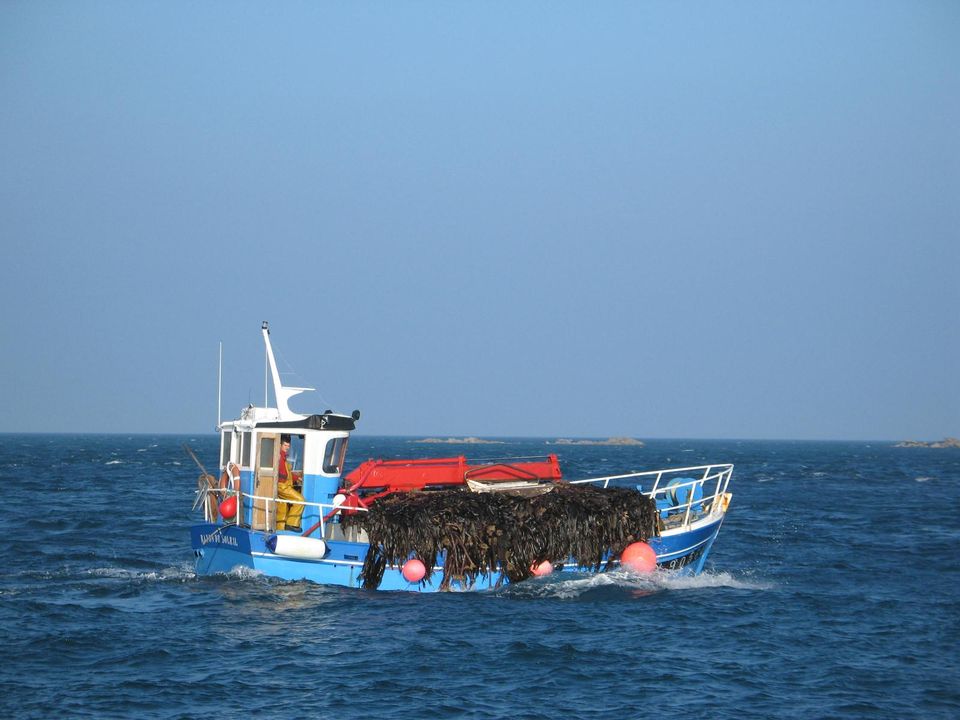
{"points": [[481, 533]]}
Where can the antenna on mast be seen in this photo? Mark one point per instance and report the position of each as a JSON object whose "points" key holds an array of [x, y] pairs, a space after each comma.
{"points": [[219, 383]]}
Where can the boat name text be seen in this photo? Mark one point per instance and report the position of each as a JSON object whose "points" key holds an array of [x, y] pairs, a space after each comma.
{"points": [[218, 538]]}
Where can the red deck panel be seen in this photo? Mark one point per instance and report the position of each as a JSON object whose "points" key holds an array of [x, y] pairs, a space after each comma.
{"points": [[406, 475]]}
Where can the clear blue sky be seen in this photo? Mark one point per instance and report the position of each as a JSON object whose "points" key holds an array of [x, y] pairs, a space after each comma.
{"points": [[655, 219]]}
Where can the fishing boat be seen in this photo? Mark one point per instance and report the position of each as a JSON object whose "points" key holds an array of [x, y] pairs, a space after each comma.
{"points": [[243, 515]]}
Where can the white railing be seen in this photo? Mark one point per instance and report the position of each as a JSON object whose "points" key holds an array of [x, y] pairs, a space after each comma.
{"points": [[323, 509], [666, 491]]}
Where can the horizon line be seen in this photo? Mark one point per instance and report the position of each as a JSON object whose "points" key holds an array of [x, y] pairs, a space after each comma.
{"points": [[497, 437]]}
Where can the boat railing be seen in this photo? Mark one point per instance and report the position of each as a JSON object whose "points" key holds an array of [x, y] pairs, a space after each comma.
{"points": [[683, 495], [326, 511]]}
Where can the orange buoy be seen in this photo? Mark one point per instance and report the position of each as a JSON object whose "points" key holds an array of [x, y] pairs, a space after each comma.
{"points": [[639, 557], [228, 508], [413, 570], [541, 569]]}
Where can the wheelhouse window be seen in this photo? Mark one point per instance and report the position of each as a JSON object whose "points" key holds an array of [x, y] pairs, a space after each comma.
{"points": [[334, 455], [245, 450], [226, 448], [266, 453]]}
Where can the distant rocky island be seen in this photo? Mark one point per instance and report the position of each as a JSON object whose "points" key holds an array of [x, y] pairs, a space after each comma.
{"points": [[609, 441], [459, 441], [945, 443]]}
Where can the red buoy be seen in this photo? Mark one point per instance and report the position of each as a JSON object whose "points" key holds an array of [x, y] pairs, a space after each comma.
{"points": [[228, 508], [541, 569], [349, 503], [413, 570], [639, 557]]}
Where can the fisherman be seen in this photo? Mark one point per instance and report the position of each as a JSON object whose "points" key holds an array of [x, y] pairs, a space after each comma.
{"points": [[288, 514]]}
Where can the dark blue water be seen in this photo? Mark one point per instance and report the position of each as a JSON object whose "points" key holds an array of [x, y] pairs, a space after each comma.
{"points": [[832, 591]]}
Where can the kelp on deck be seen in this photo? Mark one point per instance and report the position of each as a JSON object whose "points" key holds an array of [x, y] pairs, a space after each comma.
{"points": [[482, 533]]}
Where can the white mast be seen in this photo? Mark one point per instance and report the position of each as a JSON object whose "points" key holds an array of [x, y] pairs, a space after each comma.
{"points": [[282, 394]]}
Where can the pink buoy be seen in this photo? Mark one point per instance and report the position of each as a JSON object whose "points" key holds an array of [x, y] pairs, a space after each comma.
{"points": [[541, 569], [639, 557], [413, 570], [228, 508]]}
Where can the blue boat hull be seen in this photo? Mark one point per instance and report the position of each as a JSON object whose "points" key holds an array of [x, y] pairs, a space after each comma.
{"points": [[225, 548]]}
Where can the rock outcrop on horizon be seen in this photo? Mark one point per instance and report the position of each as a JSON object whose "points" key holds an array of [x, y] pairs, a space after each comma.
{"points": [[633, 442], [945, 443]]}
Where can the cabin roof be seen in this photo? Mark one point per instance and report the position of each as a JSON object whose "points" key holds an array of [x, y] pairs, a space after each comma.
{"points": [[324, 421]]}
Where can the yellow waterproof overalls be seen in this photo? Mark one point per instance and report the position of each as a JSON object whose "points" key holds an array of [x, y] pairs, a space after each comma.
{"points": [[288, 516]]}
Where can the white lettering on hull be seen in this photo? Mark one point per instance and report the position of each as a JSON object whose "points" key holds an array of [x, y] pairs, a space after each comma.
{"points": [[218, 539]]}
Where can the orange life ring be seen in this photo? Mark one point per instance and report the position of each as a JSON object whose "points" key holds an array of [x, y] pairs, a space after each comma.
{"points": [[230, 477]]}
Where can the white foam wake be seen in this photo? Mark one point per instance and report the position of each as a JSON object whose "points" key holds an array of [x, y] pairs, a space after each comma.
{"points": [[567, 586], [171, 574]]}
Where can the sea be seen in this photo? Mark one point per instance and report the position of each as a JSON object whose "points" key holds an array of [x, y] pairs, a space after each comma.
{"points": [[832, 591]]}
